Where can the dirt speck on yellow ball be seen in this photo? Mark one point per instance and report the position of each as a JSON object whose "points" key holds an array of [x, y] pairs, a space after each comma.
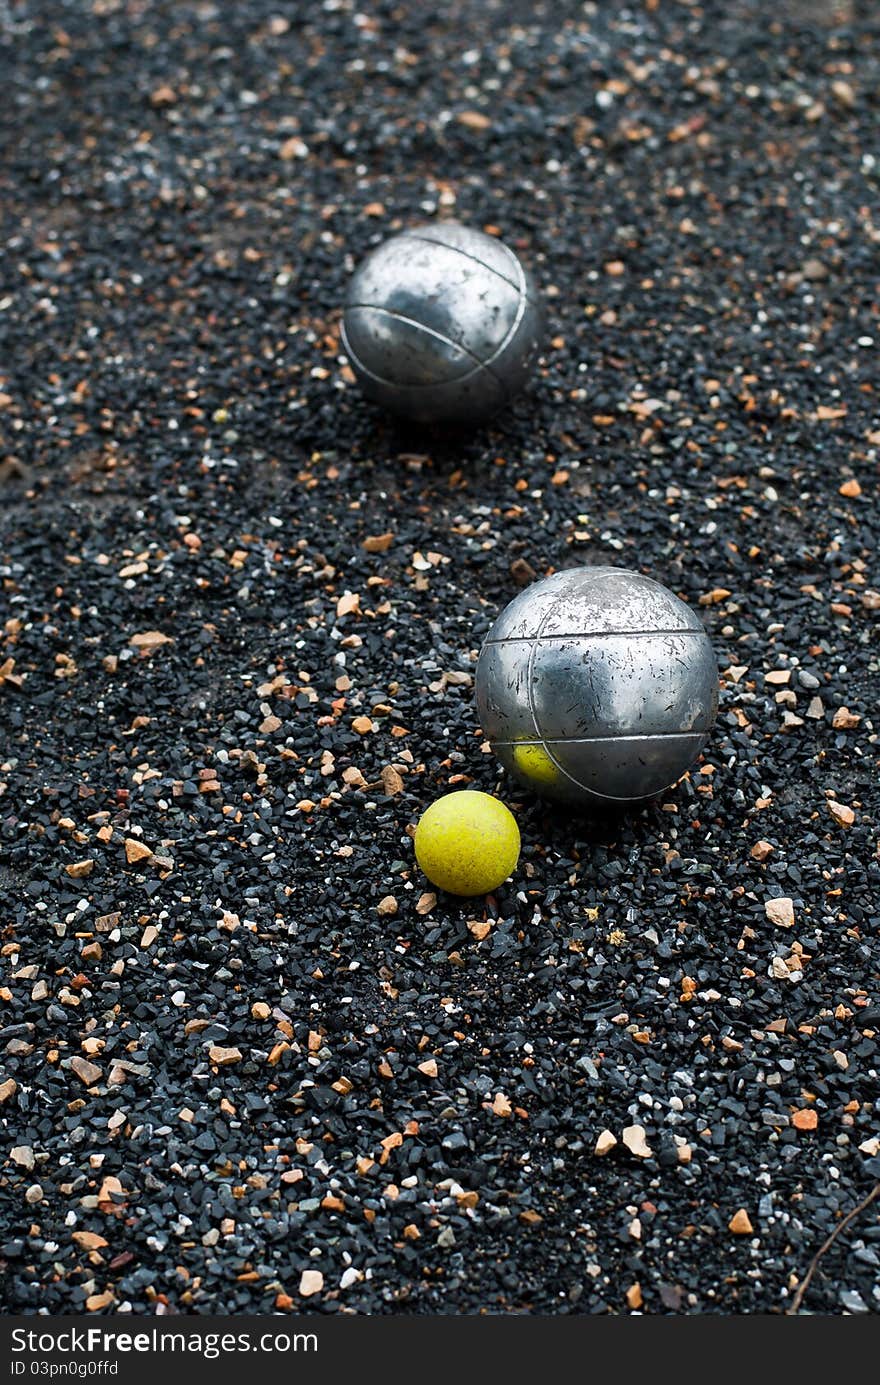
{"points": [[467, 842]]}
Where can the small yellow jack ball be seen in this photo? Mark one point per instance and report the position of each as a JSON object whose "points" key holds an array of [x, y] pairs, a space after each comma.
{"points": [[467, 842], [535, 764]]}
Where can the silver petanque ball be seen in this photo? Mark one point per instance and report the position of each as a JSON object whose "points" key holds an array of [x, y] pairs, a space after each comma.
{"points": [[597, 686], [442, 324]]}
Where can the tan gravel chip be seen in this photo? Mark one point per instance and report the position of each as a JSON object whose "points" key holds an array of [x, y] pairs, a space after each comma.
{"points": [[780, 912], [842, 814], [633, 1137], [605, 1143], [740, 1223], [312, 1282]]}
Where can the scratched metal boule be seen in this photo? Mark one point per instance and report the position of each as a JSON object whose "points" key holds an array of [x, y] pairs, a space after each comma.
{"points": [[597, 685], [442, 324]]}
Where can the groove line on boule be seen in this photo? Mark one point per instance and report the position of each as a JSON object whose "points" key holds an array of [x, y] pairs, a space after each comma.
{"points": [[428, 240], [597, 740], [530, 672], [589, 635], [439, 336]]}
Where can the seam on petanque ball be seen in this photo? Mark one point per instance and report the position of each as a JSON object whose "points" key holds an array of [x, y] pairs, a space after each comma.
{"points": [[429, 240], [439, 336], [593, 740], [592, 635]]}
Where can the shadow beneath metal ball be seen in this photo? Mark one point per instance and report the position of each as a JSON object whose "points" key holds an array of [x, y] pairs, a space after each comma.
{"points": [[563, 826], [444, 447]]}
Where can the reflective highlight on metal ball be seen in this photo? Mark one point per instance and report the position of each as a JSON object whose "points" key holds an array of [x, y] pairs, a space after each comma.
{"points": [[597, 686], [442, 324]]}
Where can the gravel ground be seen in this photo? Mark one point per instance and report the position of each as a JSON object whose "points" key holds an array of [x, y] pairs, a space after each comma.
{"points": [[248, 1062]]}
